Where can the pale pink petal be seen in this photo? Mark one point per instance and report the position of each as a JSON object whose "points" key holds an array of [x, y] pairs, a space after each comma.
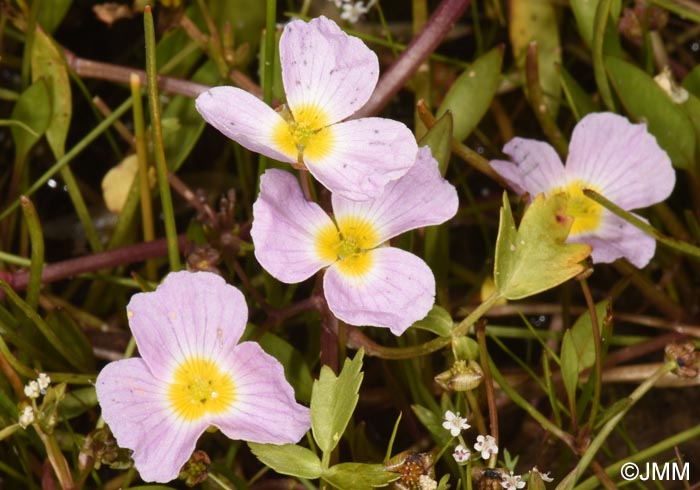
{"points": [[285, 227], [264, 409], [537, 168], [397, 291], [244, 118], [419, 198], [366, 154], [325, 68], [190, 313], [615, 239], [620, 160], [134, 405]]}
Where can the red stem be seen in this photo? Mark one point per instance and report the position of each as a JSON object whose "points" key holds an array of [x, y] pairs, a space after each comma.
{"points": [[396, 76]]}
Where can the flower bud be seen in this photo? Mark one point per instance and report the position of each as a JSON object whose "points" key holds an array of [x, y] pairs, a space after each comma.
{"points": [[462, 376]]}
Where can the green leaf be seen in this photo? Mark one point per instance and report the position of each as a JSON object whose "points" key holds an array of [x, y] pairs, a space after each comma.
{"points": [[52, 13], [333, 401], [579, 101], [439, 139], [433, 423], [570, 367], [644, 99], [77, 402], [470, 96], [584, 13], [47, 63], [534, 258], [438, 321], [582, 335], [73, 338], [33, 108], [359, 476], [692, 110], [536, 21], [691, 82], [288, 459]]}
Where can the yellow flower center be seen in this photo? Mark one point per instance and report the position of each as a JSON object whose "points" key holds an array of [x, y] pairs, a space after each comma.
{"points": [[200, 388], [307, 133], [585, 211], [349, 244]]}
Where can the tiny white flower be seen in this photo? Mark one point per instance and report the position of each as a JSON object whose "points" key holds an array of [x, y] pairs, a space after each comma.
{"points": [[26, 417], [427, 483], [486, 445], [353, 11], [44, 380], [32, 390], [454, 423], [512, 482], [461, 454]]}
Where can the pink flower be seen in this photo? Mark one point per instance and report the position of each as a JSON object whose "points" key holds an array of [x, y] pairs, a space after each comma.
{"points": [[611, 156], [512, 482], [193, 374], [365, 283], [327, 77]]}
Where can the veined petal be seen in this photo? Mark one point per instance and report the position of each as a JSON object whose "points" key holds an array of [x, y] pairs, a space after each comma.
{"points": [[245, 119], [264, 409], [325, 69], [366, 154], [419, 198], [395, 291], [134, 405], [536, 167], [616, 238], [191, 314], [286, 227], [621, 159]]}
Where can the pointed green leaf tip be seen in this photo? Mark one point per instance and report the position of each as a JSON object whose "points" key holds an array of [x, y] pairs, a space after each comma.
{"points": [[288, 459], [534, 257], [333, 400]]}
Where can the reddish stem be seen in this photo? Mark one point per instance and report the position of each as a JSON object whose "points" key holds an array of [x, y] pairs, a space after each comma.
{"points": [[421, 46]]}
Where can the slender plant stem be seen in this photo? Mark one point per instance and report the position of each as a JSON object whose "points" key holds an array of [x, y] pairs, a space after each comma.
{"points": [[161, 167], [602, 15], [633, 398], [36, 238], [488, 380], [144, 182], [68, 157], [417, 51]]}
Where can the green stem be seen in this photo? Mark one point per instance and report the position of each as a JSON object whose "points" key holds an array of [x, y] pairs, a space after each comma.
{"points": [[68, 157], [81, 209], [644, 455], [144, 183], [597, 343], [602, 14], [525, 405], [29, 43], [268, 69], [602, 436], [358, 339], [56, 458], [36, 237], [161, 167], [682, 247]]}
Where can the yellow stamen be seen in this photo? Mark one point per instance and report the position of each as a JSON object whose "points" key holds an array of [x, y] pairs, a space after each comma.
{"points": [[585, 211], [306, 134], [349, 244], [199, 387]]}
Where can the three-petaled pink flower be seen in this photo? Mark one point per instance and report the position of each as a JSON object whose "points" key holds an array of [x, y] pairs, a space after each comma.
{"points": [[609, 155], [327, 77], [365, 283], [194, 374]]}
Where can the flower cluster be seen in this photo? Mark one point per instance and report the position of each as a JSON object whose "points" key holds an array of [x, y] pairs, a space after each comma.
{"points": [[608, 154], [351, 10], [193, 374], [381, 184]]}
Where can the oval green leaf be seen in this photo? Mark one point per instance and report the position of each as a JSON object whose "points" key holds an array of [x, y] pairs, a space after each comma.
{"points": [[644, 99], [288, 459], [470, 96]]}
